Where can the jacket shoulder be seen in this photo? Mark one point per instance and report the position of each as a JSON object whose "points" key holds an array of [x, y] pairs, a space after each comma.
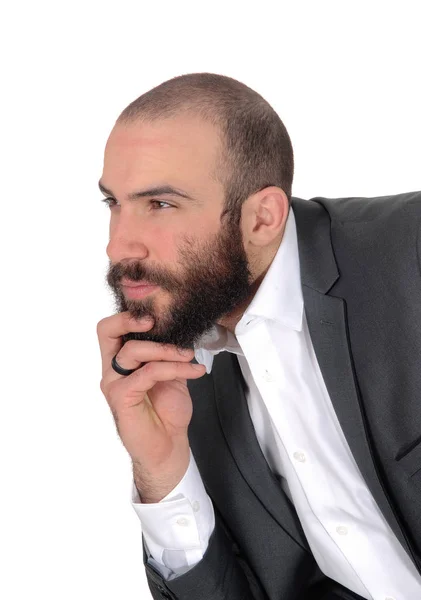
{"points": [[363, 209]]}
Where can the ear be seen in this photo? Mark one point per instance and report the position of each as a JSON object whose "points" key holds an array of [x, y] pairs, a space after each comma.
{"points": [[264, 216]]}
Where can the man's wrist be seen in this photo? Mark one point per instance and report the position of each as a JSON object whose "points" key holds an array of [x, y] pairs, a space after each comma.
{"points": [[155, 489]]}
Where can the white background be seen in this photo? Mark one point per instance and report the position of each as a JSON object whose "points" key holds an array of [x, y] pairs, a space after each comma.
{"points": [[344, 78]]}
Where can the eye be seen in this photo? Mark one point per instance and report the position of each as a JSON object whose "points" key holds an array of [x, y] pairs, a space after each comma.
{"points": [[157, 202], [108, 201]]}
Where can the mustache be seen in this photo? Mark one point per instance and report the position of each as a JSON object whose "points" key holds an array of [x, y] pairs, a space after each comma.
{"points": [[135, 272]]}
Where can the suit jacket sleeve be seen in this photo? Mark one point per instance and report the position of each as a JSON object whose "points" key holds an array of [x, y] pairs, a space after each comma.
{"points": [[221, 575]]}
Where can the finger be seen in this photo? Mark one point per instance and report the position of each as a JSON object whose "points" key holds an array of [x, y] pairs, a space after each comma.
{"points": [[146, 377], [135, 352], [110, 330]]}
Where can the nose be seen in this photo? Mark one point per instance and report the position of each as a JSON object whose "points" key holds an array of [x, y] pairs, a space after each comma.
{"points": [[125, 241]]}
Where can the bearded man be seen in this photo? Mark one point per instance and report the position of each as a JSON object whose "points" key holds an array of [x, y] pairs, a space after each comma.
{"points": [[262, 365]]}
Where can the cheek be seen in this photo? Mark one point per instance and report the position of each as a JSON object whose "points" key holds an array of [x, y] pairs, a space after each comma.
{"points": [[162, 244], [198, 231]]}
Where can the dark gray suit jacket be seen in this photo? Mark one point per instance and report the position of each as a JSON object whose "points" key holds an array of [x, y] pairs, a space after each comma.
{"points": [[360, 274]]}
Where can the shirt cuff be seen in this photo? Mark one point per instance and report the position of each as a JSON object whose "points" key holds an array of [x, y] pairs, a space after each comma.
{"points": [[177, 529]]}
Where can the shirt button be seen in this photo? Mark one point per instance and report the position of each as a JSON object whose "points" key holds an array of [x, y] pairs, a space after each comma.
{"points": [[196, 506], [342, 530], [389, 598], [183, 522], [300, 456]]}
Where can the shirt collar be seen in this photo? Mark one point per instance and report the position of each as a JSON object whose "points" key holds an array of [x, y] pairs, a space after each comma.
{"points": [[279, 298]]}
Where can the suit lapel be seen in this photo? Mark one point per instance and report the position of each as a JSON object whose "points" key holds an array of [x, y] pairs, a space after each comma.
{"points": [[327, 322]]}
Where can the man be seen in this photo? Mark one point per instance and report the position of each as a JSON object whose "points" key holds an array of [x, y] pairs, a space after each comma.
{"points": [[271, 404]]}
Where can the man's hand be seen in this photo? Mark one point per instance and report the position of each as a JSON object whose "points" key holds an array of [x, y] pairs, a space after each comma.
{"points": [[151, 407]]}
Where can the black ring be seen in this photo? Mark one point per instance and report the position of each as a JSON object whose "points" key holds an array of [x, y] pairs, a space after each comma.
{"points": [[119, 369]]}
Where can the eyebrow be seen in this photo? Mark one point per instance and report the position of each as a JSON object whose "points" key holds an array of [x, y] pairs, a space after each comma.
{"points": [[161, 190]]}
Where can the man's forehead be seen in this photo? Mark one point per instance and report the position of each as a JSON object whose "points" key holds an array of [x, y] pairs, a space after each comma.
{"points": [[162, 149], [140, 155], [137, 138], [132, 151]]}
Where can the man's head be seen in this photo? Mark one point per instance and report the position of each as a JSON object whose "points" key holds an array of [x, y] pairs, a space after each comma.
{"points": [[209, 242]]}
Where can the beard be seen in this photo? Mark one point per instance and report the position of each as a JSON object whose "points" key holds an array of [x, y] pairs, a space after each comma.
{"points": [[214, 280]]}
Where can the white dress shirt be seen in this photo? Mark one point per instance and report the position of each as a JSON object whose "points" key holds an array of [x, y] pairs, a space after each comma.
{"points": [[302, 441]]}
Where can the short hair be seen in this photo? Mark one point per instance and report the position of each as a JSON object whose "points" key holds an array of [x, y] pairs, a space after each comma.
{"points": [[255, 148]]}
